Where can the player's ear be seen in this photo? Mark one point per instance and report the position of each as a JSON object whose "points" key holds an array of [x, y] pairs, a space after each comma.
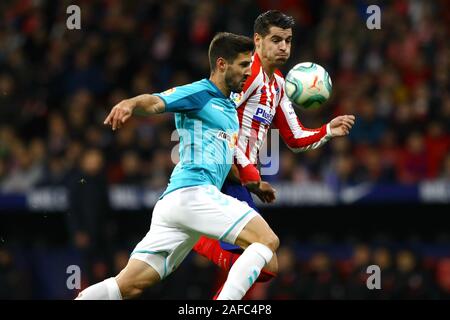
{"points": [[257, 39], [221, 64]]}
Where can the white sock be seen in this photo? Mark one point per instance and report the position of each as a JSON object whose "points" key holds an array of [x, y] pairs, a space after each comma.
{"points": [[245, 271], [105, 290]]}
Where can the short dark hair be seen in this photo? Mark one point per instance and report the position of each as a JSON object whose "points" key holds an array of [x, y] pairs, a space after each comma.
{"points": [[272, 18], [228, 46]]}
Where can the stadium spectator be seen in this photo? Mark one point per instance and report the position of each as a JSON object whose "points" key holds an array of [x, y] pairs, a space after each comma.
{"points": [[89, 212]]}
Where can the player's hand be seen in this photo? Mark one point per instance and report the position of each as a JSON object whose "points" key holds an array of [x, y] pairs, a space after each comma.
{"points": [[233, 175], [341, 125], [264, 191], [120, 113]]}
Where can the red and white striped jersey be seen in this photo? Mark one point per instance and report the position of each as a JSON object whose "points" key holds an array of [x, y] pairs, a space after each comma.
{"points": [[263, 102]]}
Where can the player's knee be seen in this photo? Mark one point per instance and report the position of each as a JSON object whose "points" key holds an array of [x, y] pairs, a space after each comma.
{"points": [[274, 243], [271, 241]]}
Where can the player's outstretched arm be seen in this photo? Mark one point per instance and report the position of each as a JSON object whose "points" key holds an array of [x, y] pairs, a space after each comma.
{"points": [[341, 125], [145, 104]]}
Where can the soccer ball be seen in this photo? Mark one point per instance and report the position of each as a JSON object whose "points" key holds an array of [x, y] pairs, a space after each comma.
{"points": [[308, 85]]}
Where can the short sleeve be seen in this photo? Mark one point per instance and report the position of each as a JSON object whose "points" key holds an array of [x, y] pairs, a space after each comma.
{"points": [[185, 98]]}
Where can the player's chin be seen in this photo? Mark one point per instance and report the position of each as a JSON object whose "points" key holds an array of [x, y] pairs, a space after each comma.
{"points": [[239, 87], [279, 61]]}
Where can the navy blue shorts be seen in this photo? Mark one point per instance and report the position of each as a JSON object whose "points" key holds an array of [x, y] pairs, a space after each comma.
{"points": [[241, 193]]}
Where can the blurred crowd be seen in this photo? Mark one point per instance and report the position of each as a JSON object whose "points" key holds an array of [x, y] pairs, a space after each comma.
{"points": [[57, 86], [404, 274]]}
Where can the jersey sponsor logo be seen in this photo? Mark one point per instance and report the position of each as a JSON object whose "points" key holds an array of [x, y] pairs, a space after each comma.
{"points": [[263, 116], [168, 92], [230, 138]]}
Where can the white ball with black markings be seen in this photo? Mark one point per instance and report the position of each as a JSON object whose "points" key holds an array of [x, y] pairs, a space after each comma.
{"points": [[308, 85]]}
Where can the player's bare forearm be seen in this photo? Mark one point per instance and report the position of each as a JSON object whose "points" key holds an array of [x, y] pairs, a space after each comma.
{"points": [[147, 104], [144, 104]]}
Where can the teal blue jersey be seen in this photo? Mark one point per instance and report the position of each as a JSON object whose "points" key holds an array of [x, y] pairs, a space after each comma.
{"points": [[208, 127]]}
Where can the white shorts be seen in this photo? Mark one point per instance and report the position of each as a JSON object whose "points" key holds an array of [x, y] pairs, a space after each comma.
{"points": [[181, 217]]}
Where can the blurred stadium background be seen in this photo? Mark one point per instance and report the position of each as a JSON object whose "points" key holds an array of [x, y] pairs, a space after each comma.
{"points": [[74, 193]]}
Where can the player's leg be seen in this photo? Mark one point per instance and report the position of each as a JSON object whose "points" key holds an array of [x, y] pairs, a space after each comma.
{"points": [[257, 230], [157, 255], [242, 193], [260, 243], [135, 278], [264, 276], [212, 249], [217, 215], [140, 272], [224, 254], [128, 284]]}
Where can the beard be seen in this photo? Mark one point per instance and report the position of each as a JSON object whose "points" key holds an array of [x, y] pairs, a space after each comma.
{"points": [[234, 85], [281, 61], [278, 62]]}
